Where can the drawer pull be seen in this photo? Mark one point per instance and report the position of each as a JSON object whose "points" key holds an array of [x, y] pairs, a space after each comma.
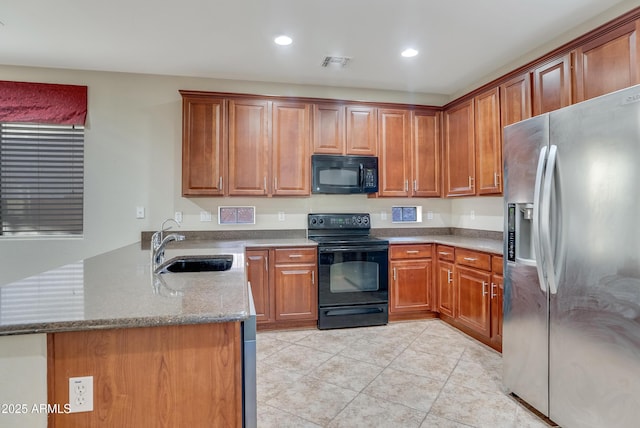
{"points": [[493, 286], [395, 276], [484, 288], [471, 259], [442, 253], [412, 251], [449, 277], [295, 256], [313, 277]]}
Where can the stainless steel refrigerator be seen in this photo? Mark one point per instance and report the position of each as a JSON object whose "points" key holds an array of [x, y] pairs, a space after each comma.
{"points": [[571, 332]]}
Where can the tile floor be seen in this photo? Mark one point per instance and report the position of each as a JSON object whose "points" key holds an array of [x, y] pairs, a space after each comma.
{"points": [[409, 374]]}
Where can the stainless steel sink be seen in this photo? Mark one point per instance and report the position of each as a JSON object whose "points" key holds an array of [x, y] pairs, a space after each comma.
{"points": [[217, 263]]}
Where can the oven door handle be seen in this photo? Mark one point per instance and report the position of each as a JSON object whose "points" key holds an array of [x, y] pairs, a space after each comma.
{"points": [[353, 249]]}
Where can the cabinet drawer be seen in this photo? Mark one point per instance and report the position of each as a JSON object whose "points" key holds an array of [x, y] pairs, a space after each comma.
{"points": [[473, 259], [446, 253], [496, 265], [295, 255], [413, 251]]}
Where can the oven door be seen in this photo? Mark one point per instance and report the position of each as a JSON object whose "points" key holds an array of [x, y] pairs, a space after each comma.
{"points": [[352, 275]]}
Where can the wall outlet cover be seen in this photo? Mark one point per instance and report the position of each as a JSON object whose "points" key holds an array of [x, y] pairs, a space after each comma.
{"points": [[80, 394]]}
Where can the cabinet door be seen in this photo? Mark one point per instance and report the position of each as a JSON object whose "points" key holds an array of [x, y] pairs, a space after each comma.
{"points": [[552, 85], [290, 151], [425, 144], [446, 289], [473, 299], [328, 129], [258, 275], [203, 149], [497, 289], [361, 130], [459, 150], [515, 99], [296, 292], [394, 138], [248, 147], [488, 135], [608, 63], [410, 285]]}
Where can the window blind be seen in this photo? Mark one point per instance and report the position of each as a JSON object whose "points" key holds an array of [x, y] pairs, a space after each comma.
{"points": [[41, 179]]}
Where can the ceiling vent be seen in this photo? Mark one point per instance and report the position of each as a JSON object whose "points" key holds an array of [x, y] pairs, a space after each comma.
{"points": [[336, 61]]}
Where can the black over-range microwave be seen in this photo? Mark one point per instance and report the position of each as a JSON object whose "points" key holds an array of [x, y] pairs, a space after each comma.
{"points": [[344, 174]]}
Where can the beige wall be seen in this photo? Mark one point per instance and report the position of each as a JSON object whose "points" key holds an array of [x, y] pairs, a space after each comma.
{"points": [[23, 374]]}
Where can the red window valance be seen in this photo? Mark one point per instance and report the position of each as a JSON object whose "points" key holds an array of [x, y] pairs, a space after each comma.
{"points": [[43, 103]]}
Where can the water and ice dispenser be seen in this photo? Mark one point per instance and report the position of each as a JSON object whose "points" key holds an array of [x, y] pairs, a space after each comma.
{"points": [[520, 233]]}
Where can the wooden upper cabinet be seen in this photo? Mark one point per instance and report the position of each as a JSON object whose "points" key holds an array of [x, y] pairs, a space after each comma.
{"points": [[608, 63], [361, 130], [426, 157], [248, 147], [488, 135], [459, 150], [515, 99], [552, 85], [290, 151], [203, 148], [328, 129], [394, 152]]}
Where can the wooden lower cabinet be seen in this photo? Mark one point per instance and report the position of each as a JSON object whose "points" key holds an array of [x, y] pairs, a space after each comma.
{"points": [[497, 290], [257, 265], [296, 292], [165, 376], [410, 279], [469, 292], [284, 286], [473, 301]]}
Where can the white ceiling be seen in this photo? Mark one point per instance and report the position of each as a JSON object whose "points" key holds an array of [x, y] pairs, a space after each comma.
{"points": [[459, 40]]}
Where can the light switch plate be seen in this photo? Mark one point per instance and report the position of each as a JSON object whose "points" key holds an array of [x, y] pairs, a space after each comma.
{"points": [[205, 216], [139, 212]]}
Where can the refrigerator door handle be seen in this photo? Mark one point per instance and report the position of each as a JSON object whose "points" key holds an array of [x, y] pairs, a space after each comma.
{"points": [[546, 218], [537, 248]]}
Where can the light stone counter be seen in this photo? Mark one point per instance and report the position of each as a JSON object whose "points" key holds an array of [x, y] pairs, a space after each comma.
{"points": [[493, 246], [117, 290]]}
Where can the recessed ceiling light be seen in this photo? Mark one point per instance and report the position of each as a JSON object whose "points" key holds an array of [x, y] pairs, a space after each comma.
{"points": [[283, 40], [408, 53]]}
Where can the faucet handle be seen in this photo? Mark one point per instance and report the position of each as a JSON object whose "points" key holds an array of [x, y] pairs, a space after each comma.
{"points": [[162, 228]]}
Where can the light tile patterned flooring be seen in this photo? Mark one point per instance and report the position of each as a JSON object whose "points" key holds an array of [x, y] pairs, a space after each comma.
{"points": [[408, 374]]}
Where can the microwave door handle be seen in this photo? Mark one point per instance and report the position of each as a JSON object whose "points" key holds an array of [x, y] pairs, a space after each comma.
{"points": [[361, 176]]}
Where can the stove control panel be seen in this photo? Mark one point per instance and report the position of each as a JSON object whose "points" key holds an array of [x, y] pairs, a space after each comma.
{"points": [[339, 221]]}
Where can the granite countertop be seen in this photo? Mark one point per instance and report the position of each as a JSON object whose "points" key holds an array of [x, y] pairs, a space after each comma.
{"points": [[117, 290], [493, 246]]}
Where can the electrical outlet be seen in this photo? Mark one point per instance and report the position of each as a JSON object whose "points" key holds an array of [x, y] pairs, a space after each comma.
{"points": [[383, 215], [139, 212], [177, 216], [473, 215], [280, 215], [205, 216], [429, 215], [80, 394]]}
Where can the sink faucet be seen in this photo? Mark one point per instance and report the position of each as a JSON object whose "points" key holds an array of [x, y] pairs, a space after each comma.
{"points": [[159, 242]]}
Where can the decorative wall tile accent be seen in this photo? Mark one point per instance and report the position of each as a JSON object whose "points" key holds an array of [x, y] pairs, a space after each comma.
{"points": [[236, 215], [406, 214]]}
